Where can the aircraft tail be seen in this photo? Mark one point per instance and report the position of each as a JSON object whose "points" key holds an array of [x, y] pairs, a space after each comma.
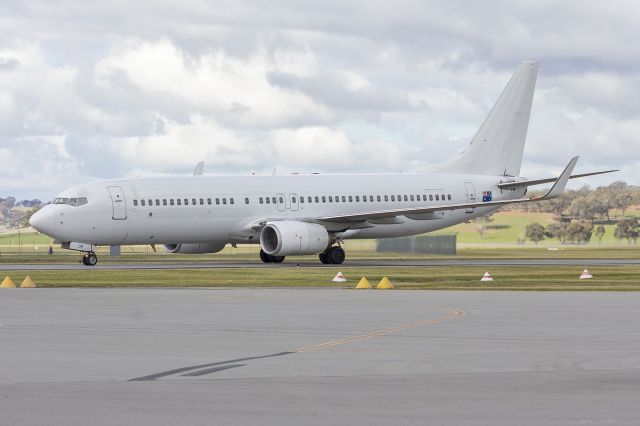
{"points": [[496, 149]]}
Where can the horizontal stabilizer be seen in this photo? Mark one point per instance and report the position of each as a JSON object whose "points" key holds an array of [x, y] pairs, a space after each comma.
{"points": [[532, 182]]}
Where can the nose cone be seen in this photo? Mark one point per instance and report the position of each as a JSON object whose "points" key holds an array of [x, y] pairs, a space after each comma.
{"points": [[42, 220]]}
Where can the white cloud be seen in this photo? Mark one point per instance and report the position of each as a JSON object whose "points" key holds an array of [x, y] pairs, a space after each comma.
{"points": [[122, 88]]}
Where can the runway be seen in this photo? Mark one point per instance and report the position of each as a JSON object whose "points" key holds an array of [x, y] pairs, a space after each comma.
{"points": [[421, 263], [317, 356]]}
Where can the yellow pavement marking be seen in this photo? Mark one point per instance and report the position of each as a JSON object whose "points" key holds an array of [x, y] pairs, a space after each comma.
{"points": [[455, 313]]}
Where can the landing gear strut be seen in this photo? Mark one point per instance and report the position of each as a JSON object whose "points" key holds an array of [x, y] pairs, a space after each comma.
{"points": [[89, 259], [332, 255], [267, 258]]}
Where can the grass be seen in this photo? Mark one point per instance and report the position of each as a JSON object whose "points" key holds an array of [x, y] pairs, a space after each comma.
{"points": [[539, 278]]}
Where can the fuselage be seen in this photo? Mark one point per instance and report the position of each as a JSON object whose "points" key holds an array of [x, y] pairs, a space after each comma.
{"points": [[224, 209]]}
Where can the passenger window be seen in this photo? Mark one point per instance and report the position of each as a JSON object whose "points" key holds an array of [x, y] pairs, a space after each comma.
{"points": [[246, 200], [293, 199], [393, 198], [430, 197], [150, 202], [193, 201], [350, 199], [268, 200], [424, 197], [344, 199], [224, 201], [141, 202], [217, 200], [411, 198], [330, 199], [157, 202], [443, 198], [281, 200], [135, 202], [178, 201], [337, 198], [302, 199], [437, 198], [371, 198], [164, 201], [209, 201], [324, 199], [171, 201], [261, 200], [449, 197], [399, 197], [378, 198], [231, 200], [406, 198], [309, 199], [317, 199], [386, 198], [202, 201], [186, 201]]}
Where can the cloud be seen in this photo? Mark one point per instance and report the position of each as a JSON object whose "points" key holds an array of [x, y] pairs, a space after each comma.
{"points": [[122, 88]]}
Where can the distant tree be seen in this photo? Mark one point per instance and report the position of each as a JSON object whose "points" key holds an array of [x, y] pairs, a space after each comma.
{"points": [[27, 216], [578, 232], [623, 201], [535, 232], [600, 233], [556, 230], [627, 229]]}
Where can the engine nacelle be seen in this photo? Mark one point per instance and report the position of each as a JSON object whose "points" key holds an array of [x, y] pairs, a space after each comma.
{"points": [[290, 237], [198, 248]]}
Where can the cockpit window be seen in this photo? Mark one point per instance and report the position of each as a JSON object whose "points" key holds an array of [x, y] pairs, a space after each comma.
{"points": [[80, 201]]}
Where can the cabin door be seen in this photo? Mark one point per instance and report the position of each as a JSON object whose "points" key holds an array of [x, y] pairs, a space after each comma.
{"points": [[118, 203]]}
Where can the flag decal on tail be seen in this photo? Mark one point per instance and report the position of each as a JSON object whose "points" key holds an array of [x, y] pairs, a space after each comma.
{"points": [[487, 196]]}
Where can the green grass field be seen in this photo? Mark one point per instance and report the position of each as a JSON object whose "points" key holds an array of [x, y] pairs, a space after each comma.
{"points": [[565, 278]]}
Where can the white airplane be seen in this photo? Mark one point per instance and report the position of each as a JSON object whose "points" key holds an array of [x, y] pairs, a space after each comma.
{"points": [[306, 214]]}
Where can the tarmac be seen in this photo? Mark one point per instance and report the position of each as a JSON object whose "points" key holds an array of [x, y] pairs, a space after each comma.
{"points": [[417, 263], [318, 356]]}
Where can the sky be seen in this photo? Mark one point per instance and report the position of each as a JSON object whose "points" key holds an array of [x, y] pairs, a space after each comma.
{"points": [[104, 89]]}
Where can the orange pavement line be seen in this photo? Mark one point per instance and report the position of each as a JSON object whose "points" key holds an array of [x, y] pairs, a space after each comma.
{"points": [[455, 313]]}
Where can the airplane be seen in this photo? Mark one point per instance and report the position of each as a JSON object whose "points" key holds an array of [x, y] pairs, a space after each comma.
{"points": [[304, 214]]}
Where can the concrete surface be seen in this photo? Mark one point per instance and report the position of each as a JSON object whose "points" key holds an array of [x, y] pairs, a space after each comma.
{"points": [[317, 356]]}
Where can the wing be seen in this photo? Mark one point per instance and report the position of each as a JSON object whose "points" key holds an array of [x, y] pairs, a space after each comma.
{"points": [[555, 191]]}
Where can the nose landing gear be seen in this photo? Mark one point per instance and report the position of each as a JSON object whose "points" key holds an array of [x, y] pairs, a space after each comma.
{"points": [[89, 259]]}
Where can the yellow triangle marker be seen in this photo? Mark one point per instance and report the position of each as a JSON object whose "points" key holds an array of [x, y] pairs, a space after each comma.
{"points": [[384, 284], [28, 283], [8, 283], [364, 283]]}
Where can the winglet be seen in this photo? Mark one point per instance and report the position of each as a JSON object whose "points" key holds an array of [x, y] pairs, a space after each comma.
{"points": [[558, 188]]}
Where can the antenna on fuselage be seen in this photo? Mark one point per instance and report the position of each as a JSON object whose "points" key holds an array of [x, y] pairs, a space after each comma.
{"points": [[275, 169], [199, 169]]}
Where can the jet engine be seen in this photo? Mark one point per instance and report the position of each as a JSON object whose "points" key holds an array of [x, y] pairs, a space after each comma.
{"points": [[198, 248], [288, 237]]}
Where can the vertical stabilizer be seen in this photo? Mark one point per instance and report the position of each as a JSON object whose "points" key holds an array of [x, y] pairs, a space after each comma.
{"points": [[497, 147]]}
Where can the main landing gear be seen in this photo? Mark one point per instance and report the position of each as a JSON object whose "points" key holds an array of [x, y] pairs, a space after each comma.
{"points": [[89, 259], [332, 255], [267, 258]]}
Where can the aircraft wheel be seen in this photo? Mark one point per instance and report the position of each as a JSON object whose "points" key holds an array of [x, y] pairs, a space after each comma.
{"points": [[92, 259], [323, 257], [277, 259], [336, 255], [265, 257], [84, 259]]}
